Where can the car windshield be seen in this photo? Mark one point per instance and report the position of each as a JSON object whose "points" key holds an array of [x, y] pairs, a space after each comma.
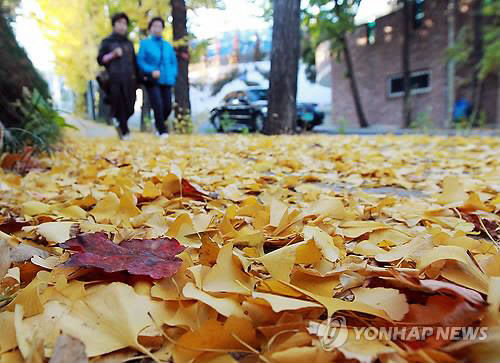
{"points": [[257, 95]]}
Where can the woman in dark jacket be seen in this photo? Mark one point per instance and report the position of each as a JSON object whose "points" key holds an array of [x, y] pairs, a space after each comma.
{"points": [[158, 61], [117, 54]]}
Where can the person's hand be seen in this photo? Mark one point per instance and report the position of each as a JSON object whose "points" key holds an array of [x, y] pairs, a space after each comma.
{"points": [[156, 74], [118, 52]]}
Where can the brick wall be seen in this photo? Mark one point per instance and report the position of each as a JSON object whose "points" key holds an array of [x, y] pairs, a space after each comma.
{"points": [[375, 63]]}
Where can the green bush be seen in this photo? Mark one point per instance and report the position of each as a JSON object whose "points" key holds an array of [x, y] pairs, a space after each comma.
{"points": [[16, 71], [226, 122], [182, 124], [41, 128], [423, 122]]}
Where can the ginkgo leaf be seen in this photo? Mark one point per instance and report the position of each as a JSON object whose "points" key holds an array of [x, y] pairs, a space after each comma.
{"points": [[106, 208], [355, 229], [282, 303], [215, 335], [278, 211], [328, 207], [333, 305], [224, 306], [39, 330], [462, 275], [453, 191], [226, 275], [451, 253], [73, 212], [411, 249], [181, 228], [323, 241], [110, 318], [323, 286], [33, 208], [150, 190], [280, 263], [29, 299], [8, 337], [276, 287], [393, 235], [57, 232], [128, 208], [367, 248], [390, 300]]}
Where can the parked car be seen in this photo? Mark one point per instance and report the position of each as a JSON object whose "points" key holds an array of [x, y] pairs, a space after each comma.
{"points": [[239, 109], [248, 109]]}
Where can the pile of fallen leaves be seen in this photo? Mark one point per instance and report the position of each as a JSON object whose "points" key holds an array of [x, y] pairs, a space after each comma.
{"points": [[252, 248]]}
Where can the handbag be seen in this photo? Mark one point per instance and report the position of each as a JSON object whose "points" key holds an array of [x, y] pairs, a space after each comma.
{"points": [[103, 80], [147, 79]]}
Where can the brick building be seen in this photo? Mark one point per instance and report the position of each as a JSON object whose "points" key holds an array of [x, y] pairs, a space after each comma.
{"points": [[376, 50]]}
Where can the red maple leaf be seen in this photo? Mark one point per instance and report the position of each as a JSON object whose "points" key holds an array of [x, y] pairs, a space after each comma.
{"points": [[194, 191], [152, 257]]}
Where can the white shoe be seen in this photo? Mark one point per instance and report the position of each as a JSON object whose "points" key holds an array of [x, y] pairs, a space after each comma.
{"points": [[164, 136], [127, 137]]}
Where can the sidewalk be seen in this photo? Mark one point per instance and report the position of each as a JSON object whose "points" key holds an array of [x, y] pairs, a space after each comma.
{"points": [[90, 128], [381, 130], [94, 129]]}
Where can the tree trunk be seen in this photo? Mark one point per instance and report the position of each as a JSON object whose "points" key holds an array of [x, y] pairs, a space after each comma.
{"points": [[103, 109], [406, 64], [477, 55], [451, 66], [145, 109], [282, 108], [354, 84], [182, 102]]}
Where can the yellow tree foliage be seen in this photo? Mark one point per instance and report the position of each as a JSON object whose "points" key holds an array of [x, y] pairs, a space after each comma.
{"points": [[75, 29]]}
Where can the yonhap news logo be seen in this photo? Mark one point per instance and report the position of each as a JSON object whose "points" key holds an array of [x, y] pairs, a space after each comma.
{"points": [[334, 332]]}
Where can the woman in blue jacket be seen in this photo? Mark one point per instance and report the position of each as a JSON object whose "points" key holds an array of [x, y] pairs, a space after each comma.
{"points": [[158, 62]]}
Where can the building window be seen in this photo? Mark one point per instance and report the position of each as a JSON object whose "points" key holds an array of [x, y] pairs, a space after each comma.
{"points": [[420, 83], [370, 32], [418, 13]]}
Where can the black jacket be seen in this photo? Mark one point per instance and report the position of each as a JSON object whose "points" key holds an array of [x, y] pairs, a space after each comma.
{"points": [[123, 69]]}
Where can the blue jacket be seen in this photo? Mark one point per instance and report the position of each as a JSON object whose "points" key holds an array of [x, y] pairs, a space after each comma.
{"points": [[149, 59]]}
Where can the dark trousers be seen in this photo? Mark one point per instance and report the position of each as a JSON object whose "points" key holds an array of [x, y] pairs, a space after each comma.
{"points": [[122, 100], [161, 101]]}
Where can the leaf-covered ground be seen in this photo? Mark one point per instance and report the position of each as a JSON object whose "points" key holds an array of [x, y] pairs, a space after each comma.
{"points": [[276, 234]]}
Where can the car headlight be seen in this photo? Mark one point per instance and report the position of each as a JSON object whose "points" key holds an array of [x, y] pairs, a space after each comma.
{"points": [[264, 109]]}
